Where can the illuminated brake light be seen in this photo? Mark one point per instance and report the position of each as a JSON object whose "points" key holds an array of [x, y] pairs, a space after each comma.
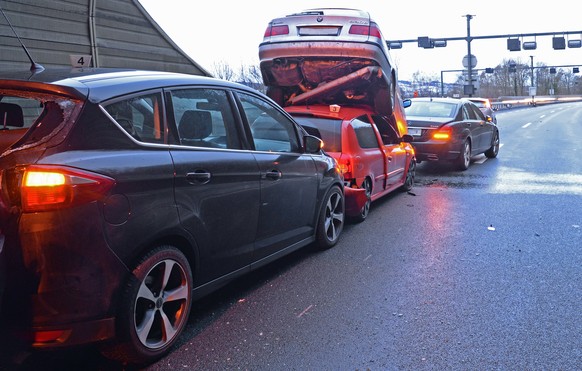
{"points": [[43, 179], [371, 30], [276, 30], [442, 134], [51, 187]]}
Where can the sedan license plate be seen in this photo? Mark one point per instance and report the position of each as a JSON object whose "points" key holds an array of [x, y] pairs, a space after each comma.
{"points": [[415, 132]]}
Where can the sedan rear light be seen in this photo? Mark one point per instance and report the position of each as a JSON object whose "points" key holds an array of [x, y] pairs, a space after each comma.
{"points": [[442, 134], [371, 30], [52, 187], [276, 30]]}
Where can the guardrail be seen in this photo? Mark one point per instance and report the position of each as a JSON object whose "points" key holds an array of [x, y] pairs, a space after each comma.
{"points": [[523, 101]]}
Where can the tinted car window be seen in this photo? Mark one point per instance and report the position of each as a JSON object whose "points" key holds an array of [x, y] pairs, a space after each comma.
{"points": [[387, 130], [469, 112], [139, 116], [364, 133], [271, 130], [204, 118], [328, 130]]}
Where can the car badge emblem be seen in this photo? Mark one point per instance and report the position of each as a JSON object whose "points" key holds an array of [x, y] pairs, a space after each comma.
{"points": [[320, 19]]}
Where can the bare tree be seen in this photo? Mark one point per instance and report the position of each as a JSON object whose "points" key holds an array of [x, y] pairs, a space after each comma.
{"points": [[223, 70]]}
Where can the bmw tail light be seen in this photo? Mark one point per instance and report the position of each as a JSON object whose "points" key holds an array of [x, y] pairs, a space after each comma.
{"points": [[371, 30], [53, 187], [276, 30]]}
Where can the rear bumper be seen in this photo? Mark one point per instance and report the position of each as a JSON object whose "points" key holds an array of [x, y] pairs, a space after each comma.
{"points": [[436, 151], [355, 200], [328, 49], [62, 280]]}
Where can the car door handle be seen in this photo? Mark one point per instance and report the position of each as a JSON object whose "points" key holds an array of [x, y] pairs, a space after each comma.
{"points": [[198, 177], [273, 174]]}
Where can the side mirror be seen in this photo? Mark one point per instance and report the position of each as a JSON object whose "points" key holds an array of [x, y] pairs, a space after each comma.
{"points": [[407, 138], [406, 103], [312, 144]]}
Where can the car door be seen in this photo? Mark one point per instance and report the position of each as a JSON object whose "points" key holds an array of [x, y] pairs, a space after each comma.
{"points": [[369, 158], [393, 148], [217, 184], [289, 180], [472, 124], [485, 130]]}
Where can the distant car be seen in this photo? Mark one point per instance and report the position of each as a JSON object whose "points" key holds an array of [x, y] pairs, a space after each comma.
{"points": [[450, 130], [372, 151], [485, 106], [331, 69], [134, 193]]}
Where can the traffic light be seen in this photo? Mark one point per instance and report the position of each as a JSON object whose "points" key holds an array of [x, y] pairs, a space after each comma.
{"points": [[425, 42], [489, 70], [512, 67], [513, 45], [530, 45], [575, 70], [552, 70], [558, 43]]}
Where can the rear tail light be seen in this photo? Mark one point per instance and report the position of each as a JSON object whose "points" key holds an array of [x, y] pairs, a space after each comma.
{"points": [[276, 30], [443, 134], [53, 187], [345, 167], [371, 30]]}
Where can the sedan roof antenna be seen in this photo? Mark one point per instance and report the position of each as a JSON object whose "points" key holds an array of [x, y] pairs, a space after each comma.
{"points": [[34, 67]]}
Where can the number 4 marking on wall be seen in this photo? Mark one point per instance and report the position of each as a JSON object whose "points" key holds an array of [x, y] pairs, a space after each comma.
{"points": [[80, 60]]}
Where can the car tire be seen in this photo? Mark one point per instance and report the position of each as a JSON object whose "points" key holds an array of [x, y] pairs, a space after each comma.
{"points": [[410, 175], [494, 150], [331, 219], [154, 308], [367, 185], [464, 159]]}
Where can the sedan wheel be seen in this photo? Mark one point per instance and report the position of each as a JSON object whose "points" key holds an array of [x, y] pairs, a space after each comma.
{"points": [[464, 159], [155, 307], [331, 218], [494, 150]]}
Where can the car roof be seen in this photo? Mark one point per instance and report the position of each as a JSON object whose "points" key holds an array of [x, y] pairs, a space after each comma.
{"points": [[344, 12], [437, 99], [99, 84]]}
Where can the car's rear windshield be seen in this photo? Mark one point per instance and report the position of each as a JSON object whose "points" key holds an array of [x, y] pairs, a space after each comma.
{"points": [[328, 130], [43, 115], [431, 109]]}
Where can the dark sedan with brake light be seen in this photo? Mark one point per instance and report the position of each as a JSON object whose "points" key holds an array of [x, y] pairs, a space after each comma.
{"points": [[450, 130]]}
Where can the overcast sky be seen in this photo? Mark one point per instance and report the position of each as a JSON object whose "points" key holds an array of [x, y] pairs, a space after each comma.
{"points": [[215, 31]]}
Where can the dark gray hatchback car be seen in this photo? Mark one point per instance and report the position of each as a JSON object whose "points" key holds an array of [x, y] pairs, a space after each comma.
{"points": [[126, 195]]}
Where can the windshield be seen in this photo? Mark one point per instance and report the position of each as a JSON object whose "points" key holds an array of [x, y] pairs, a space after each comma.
{"points": [[431, 109]]}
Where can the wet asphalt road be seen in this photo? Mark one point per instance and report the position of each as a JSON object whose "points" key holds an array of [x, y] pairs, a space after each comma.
{"points": [[479, 269]]}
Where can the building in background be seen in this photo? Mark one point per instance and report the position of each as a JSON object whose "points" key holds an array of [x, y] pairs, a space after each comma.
{"points": [[113, 33]]}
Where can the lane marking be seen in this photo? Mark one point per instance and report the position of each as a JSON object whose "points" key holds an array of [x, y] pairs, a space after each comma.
{"points": [[526, 125]]}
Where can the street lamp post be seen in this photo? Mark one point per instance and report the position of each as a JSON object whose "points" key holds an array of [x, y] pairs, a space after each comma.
{"points": [[469, 55]]}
